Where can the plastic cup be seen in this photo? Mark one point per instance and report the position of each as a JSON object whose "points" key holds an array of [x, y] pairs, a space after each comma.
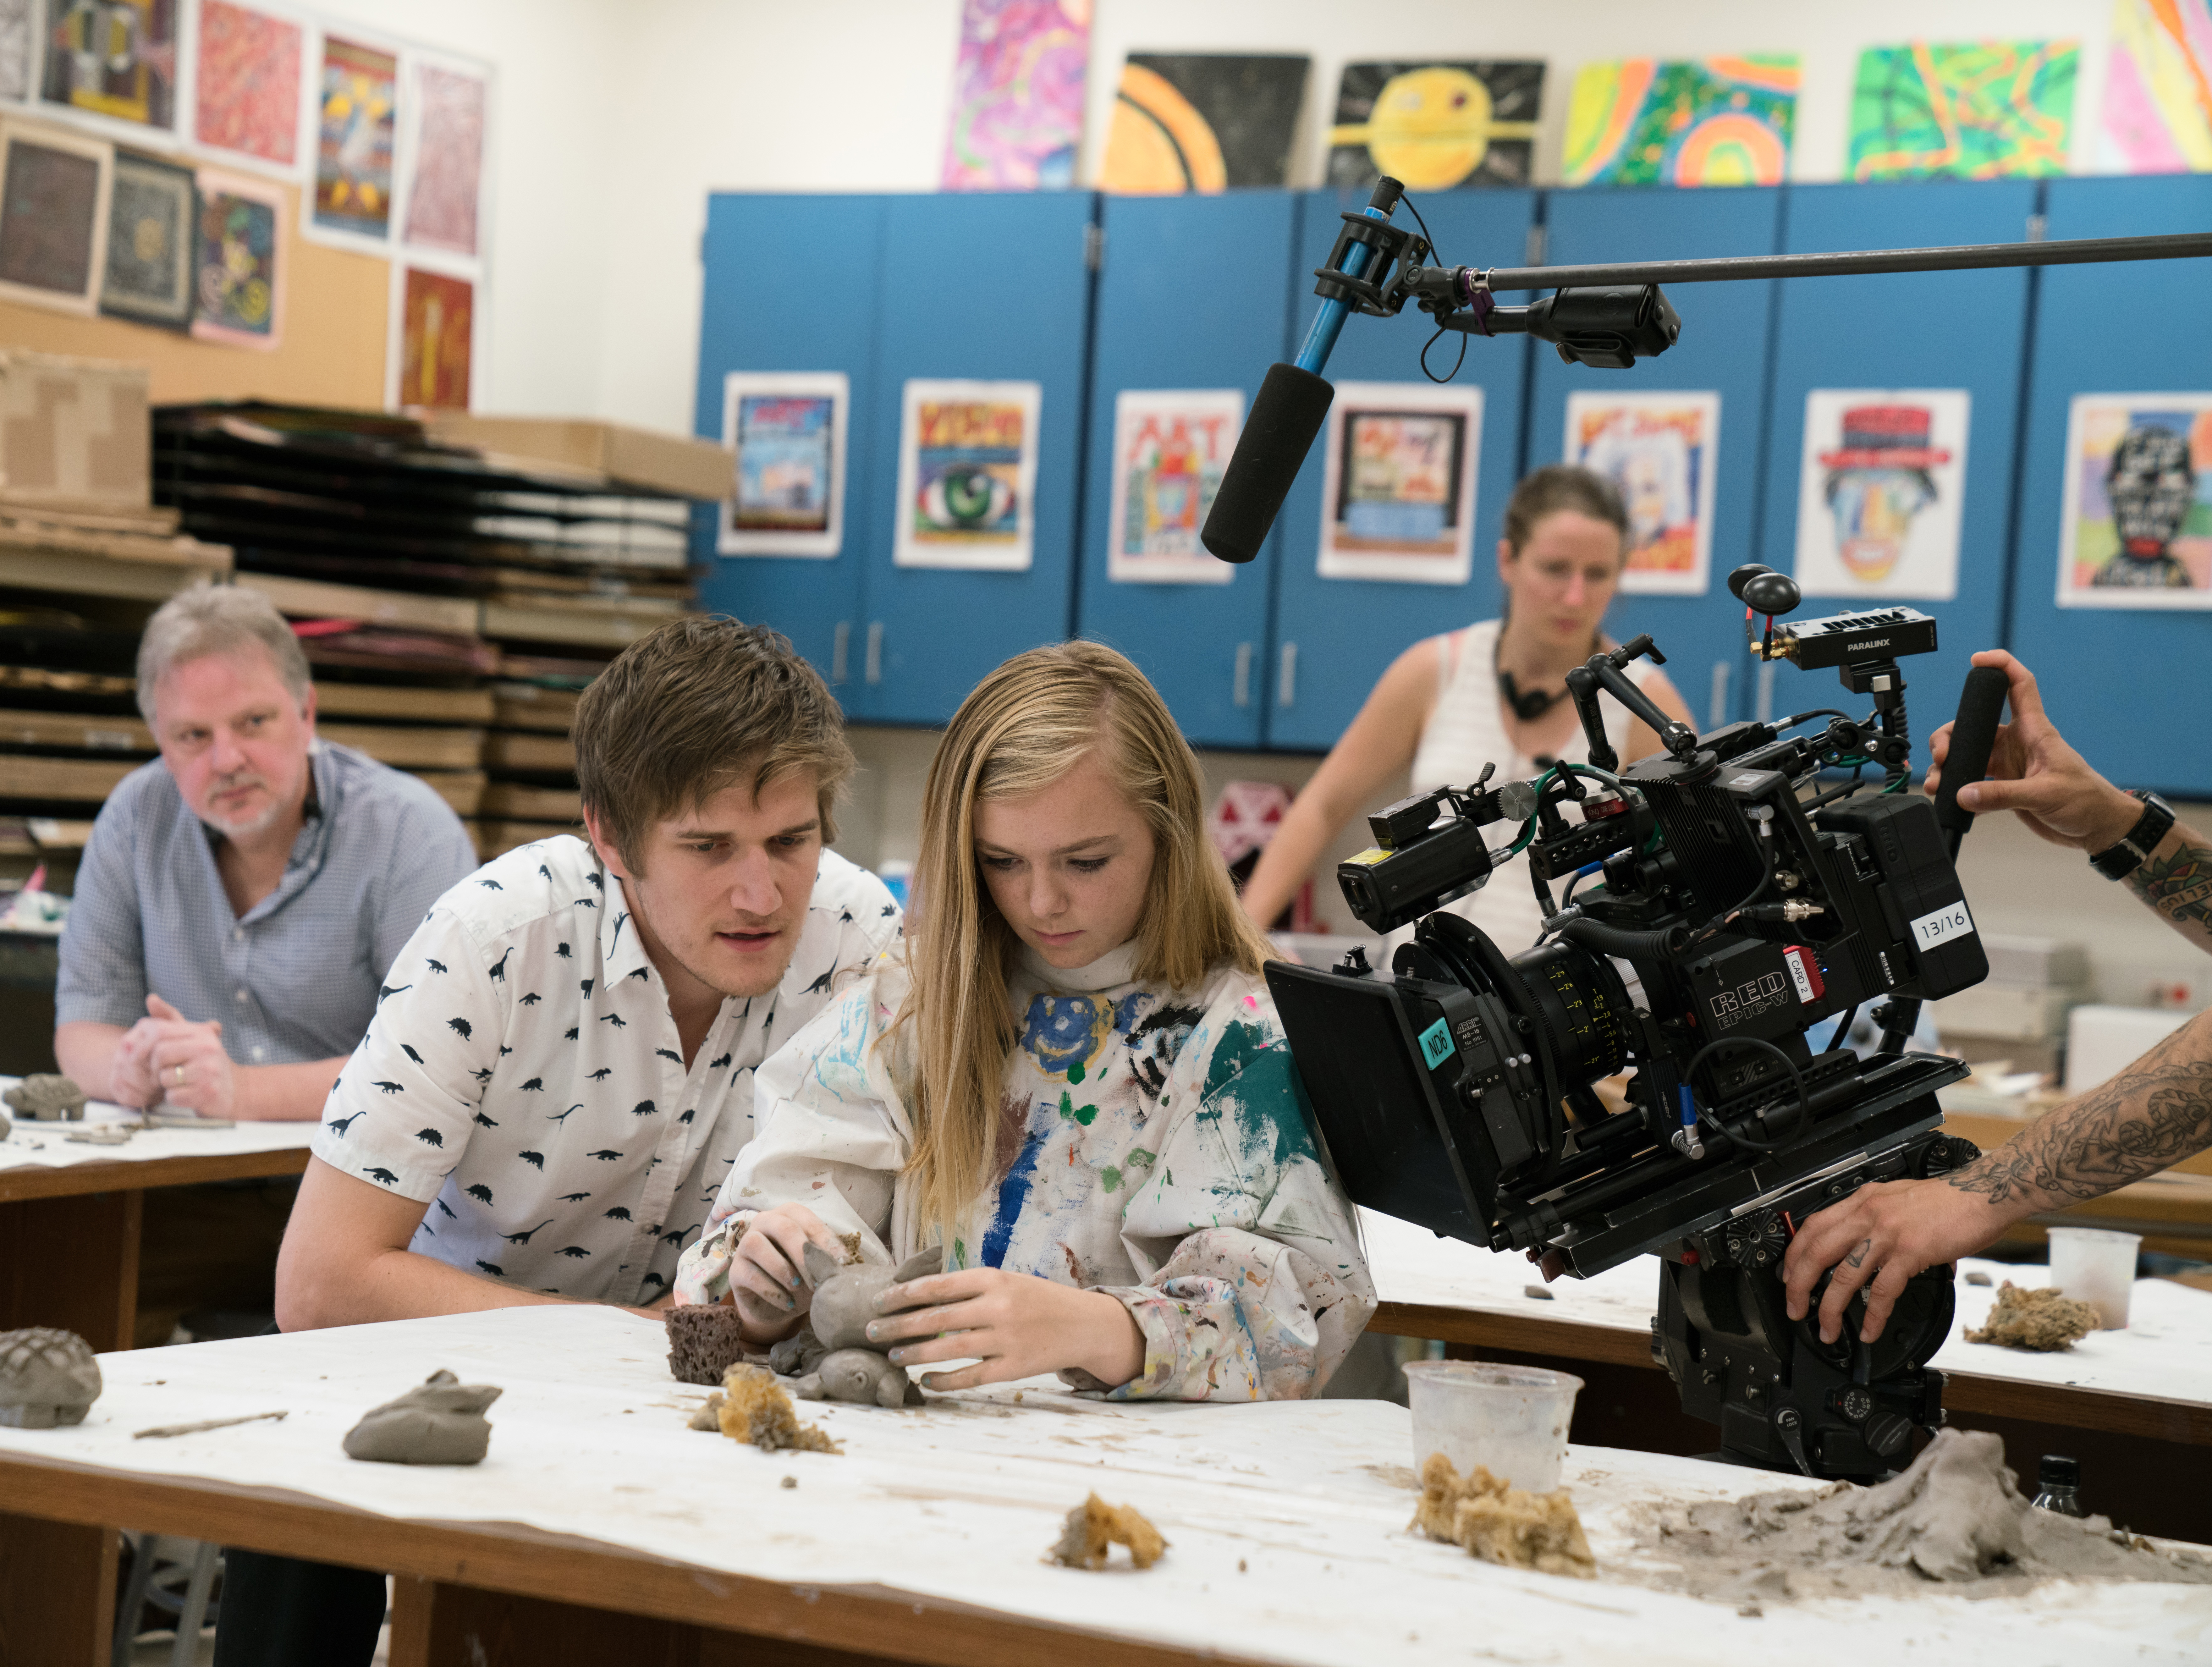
{"points": [[2091, 1265], [1511, 1420]]}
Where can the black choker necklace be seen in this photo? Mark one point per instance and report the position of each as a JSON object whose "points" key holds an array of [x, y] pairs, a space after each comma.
{"points": [[1530, 706]]}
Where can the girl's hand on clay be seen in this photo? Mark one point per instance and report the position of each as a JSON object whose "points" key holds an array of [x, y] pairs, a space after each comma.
{"points": [[767, 1277], [1878, 1237], [1013, 1325]]}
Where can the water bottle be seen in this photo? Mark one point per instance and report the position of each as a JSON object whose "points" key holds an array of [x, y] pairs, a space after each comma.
{"points": [[2058, 1483]]}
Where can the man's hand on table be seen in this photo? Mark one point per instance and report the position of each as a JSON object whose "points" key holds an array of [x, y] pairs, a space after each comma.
{"points": [[184, 1062]]}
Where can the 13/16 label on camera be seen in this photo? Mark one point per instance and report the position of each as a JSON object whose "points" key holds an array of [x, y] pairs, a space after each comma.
{"points": [[1940, 925]]}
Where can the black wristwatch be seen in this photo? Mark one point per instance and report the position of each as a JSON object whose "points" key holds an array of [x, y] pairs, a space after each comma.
{"points": [[2118, 862]]}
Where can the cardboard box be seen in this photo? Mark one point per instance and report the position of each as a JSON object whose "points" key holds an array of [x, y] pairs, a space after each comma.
{"points": [[74, 434], [634, 457]]}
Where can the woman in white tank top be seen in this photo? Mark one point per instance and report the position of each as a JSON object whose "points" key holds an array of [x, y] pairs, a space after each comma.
{"points": [[1494, 692]]}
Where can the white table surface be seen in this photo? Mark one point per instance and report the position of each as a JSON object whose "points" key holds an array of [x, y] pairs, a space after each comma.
{"points": [[44, 1145], [958, 1501]]}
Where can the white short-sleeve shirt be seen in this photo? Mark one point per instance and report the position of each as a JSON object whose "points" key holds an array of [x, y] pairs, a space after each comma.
{"points": [[523, 1075]]}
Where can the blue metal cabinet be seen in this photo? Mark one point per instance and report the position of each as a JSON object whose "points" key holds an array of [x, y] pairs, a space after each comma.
{"points": [[1168, 314], [2129, 689], [1335, 637], [1723, 347], [1921, 329]]}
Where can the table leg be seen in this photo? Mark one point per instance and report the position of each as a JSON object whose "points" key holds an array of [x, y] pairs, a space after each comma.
{"points": [[56, 1591], [72, 1262]]}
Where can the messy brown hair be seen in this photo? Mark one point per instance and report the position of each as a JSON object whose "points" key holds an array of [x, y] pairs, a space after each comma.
{"points": [[700, 703], [1558, 486]]}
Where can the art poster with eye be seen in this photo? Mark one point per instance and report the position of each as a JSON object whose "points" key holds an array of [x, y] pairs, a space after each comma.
{"points": [[968, 459], [237, 273], [1398, 483], [2136, 530], [1880, 493], [1659, 450], [1171, 449], [788, 433]]}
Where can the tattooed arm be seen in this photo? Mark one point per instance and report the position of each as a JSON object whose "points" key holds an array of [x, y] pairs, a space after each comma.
{"points": [[2176, 881], [2152, 1115]]}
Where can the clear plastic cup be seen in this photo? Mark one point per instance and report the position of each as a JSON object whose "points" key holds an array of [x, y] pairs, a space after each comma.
{"points": [[2091, 1265], [1511, 1420]]}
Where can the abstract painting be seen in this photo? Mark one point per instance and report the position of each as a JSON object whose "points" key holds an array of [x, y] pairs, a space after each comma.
{"points": [[967, 459], [150, 244], [437, 331], [1017, 94], [247, 87], [1711, 121], [1974, 111], [449, 139], [1880, 493], [1659, 449], [2158, 88], [114, 57], [19, 48], [237, 276], [353, 161], [1398, 483], [1171, 449], [1202, 122], [53, 216], [788, 430], [2136, 532], [1435, 125]]}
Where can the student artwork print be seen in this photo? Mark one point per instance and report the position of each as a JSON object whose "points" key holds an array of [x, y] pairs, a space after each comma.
{"points": [[2136, 530], [1398, 483], [1171, 448], [19, 48], [114, 57], [788, 432], [2158, 88], [246, 89], [1712, 121], [1436, 126], [355, 107], [1017, 94], [53, 216], [238, 274], [151, 242], [1978, 110], [447, 111], [437, 339], [1660, 450], [1202, 122], [1880, 493], [968, 459]]}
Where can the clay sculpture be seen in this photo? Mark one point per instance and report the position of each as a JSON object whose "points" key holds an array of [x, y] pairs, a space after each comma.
{"points": [[1501, 1524], [859, 1376], [849, 1369], [44, 1097], [1094, 1528], [440, 1421], [47, 1377], [704, 1342]]}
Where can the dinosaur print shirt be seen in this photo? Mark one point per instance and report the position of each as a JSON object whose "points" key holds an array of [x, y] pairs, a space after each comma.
{"points": [[522, 1076], [1156, 1146]]}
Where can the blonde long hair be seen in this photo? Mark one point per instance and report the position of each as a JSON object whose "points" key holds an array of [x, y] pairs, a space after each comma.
{"points": [[1025, 727]]}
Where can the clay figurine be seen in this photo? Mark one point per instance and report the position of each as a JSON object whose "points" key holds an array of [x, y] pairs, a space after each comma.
{"points": [[841, 1365], [704, 1342], [859, 1376], [441, 1421], [44, 1097], [47, 1377], [845, 1298]]}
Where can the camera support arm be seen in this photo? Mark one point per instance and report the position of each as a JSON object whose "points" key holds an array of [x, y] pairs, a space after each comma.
{"points": [[1604, 671]]}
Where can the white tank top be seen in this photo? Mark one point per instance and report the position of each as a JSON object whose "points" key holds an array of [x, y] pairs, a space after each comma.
{"points": [[1466, 731]]}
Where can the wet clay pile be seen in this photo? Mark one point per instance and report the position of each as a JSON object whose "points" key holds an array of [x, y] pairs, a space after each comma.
{"points": [[1094, 1528], [753, 1408], [2043, 1320], [1955, 1517], [1501, 1524], [440, 1422]]}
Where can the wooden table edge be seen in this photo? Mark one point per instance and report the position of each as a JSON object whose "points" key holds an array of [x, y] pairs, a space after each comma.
{"points": [[20, 1180], [526, 1562], [1526, 1334]]}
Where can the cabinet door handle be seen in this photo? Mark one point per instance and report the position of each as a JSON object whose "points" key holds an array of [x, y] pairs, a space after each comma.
{"points": [[1242, 694], [874, 671], [1287, 682], [840, 648]]}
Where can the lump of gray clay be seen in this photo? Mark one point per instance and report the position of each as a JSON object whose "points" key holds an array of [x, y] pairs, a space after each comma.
{"points": [[859, 1376], [845, 1298], [46, 1098], [47, 1377], [439, 1422]]}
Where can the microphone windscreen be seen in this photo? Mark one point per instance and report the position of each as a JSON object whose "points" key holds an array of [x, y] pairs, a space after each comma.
{"points": [[1973, 732], [1292, 406]]}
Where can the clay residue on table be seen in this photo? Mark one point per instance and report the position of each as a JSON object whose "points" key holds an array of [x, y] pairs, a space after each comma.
{"points": [[1094, 1528], [753, 1408], [2043, 1320], [1501, 1524]]}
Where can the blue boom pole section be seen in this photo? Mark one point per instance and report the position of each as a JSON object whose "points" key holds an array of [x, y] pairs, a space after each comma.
{"points": [[1321, 335]]}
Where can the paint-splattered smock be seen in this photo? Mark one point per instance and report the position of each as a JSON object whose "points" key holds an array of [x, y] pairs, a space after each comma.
{"points": [[1156, 1146]]}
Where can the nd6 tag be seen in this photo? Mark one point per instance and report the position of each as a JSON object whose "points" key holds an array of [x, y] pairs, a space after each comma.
{"points": [[1940, 925]]}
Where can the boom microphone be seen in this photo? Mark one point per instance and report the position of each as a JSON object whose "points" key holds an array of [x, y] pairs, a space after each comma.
{"points": [[1973, 734], [1292, 405]]}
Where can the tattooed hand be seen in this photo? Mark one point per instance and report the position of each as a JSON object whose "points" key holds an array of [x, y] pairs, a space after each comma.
{"points": [[1878, 1237], [2036, 775]]}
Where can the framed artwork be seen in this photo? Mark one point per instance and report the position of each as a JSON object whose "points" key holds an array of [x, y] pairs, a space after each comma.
{"points": [[2158, 88], [1397, 496], [237, 270], [1974, 111], [1880, 493], [355, 107], [19, 49], [53, 216], [445, 174], [1660, 450], [1435, 126], [1202, 122], [436, 339], [246, 89], [788, 432], [1017, 94], [151, 237], [116, 58], [2136, 529], [1708, 121], [968, 459], [1171, 449]]}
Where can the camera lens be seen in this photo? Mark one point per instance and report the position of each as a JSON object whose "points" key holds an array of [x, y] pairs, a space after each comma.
{"points": [[1584, 1008]]}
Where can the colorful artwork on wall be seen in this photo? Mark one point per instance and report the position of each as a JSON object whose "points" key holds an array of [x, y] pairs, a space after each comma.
{"points": [[1880, 493], [1711, 121], [114, 57], [2158, 88], [1202, 122], [1398, 483], [53, 216], [1017, 94], [967, 459], [246, 92], [1436, 125], [353, 161], [2136, 530], [1973, 111], [238, 271], [437, 338], [19, 48], [150, 242], [1660, 450], [448, 113], [788, 430], [1171, 448]]}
